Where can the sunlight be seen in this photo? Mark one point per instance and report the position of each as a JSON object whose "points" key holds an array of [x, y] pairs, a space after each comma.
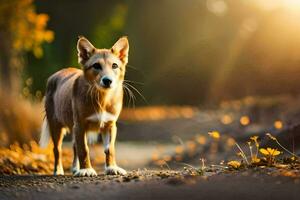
{"points": [[289, 5], [244, 120], [293, 5], [278, 124], [218, 7]]}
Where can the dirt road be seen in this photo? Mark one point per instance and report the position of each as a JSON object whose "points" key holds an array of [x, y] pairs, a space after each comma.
{"points": [[152, 185]]}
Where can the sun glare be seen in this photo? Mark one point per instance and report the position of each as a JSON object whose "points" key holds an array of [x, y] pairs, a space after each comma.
{"points": [[293, 5], [290, 5]]}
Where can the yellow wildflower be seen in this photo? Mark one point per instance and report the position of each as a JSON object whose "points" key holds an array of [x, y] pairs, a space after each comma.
{"points": [[255, 160], [214, 134], [255, 140], [235, 164], [293, 158], [269, 152]]}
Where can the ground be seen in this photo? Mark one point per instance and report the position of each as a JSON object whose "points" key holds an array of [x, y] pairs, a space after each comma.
{"points": [[152, 185], [173, 158]]}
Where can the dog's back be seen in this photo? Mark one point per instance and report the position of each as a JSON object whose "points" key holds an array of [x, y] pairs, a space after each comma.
{"points": [[58, 102]]}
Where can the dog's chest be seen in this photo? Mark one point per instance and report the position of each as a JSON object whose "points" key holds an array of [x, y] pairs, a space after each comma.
{"points": [[102, 117]]}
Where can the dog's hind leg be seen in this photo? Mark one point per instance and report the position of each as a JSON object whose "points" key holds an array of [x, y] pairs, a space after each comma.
{"points": [[75, 164], [57, 134]]}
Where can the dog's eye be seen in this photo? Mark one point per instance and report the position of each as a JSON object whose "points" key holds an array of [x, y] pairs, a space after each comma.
{"points": [[97, 66], [115, 66]]}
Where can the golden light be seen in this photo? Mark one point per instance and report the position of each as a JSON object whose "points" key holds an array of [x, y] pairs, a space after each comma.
{"points": [[201, 139], [278, 124], [230, 142], [226, 119], [167, 158], [179, 149], [244, 120], [160, 162], [218, 7], [178, 157], [191, 145], [155, 156], [293, 5]]}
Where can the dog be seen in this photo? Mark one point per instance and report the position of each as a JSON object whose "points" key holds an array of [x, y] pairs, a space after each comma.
{"points": [[84, 100]]}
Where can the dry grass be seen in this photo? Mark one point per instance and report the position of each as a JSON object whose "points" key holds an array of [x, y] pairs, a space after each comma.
{"points": [[20, 119], [31, 159]]}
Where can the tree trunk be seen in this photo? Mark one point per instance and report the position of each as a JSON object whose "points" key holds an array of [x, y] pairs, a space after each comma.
{"points": [[10, 66]]}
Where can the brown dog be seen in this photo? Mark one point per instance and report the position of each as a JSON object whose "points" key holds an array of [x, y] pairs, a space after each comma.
{"points": [[86, 100]]}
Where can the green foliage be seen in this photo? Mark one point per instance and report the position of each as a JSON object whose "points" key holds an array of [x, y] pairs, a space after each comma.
{"points": [[185, 52], [105, 32]]}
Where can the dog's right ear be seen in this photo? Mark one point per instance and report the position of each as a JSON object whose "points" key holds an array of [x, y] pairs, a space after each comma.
{"points": [[85, 49]]}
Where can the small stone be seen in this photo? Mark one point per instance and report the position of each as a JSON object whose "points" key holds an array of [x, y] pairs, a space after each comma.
{"points": [[75, 187]]}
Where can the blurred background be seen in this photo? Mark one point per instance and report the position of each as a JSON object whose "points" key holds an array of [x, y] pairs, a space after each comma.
{"points": [[200, 65]]}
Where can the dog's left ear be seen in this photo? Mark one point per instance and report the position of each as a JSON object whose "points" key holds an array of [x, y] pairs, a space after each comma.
{"points": [[85, 49], [121, 49]]}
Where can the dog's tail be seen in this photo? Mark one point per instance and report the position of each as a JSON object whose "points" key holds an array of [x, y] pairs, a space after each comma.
{"points": [[45, 134]]}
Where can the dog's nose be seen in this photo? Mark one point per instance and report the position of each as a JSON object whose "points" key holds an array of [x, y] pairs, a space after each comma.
{"points": [[106, 82]]}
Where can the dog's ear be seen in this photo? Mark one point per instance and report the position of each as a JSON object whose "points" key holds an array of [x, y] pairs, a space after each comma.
{"points": [[121, 49], [85, 49]]}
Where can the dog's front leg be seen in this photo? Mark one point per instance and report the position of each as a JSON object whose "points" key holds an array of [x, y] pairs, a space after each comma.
{"points": [[82, 152], [109, 137]]}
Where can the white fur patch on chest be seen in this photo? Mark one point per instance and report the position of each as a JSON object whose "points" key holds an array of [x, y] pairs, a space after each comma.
{"points": [[102, 117]]}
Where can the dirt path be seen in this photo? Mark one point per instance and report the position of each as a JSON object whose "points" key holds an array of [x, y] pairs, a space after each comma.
{"points": [[152, 185]]}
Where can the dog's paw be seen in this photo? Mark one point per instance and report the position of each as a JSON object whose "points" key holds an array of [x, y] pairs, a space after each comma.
{"points": [[74, 170], [114, 170], [75, 167], [86, 172], [58, 171]]}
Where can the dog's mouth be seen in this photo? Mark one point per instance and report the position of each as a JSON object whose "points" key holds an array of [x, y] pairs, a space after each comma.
{"points": [[105, 87]]}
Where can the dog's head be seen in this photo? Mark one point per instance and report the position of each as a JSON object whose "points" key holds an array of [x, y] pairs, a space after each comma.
{"points": [[103, 67]]}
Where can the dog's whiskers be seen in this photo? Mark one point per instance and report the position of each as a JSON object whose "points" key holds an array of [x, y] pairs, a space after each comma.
{"points": [[132, 67], [131, 95], [135, 82], [137, 91], [127, 94]]}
